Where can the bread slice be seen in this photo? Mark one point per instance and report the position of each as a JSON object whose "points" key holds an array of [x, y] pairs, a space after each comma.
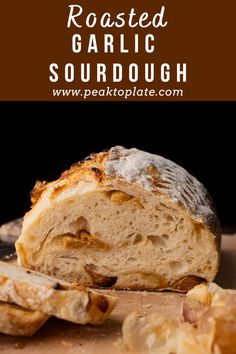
{"points": [[124, 219], [19, 321], [38, 292]]}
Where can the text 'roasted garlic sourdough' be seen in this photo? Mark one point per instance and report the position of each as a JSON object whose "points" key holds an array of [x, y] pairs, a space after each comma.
{"points": [[123, 219]]}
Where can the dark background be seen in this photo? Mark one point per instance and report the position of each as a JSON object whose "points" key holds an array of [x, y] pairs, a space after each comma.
{"points": [[40, 140]]}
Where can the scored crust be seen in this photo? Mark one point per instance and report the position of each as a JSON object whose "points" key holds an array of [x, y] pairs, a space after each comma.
{"points": [[118, 207], [19, 321], [152, 172]]}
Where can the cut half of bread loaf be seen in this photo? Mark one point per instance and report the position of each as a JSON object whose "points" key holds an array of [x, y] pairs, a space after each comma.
{"points": [[19, 321], [39, 292], [123, 219]]}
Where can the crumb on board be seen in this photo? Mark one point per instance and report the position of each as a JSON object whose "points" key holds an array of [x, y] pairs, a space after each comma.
{"points": [[148, 306], [67, 344], [119, 344], [19, 345]]}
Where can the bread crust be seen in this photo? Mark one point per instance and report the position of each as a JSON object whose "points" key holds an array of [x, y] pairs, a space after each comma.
{"points": [[157, 175]]}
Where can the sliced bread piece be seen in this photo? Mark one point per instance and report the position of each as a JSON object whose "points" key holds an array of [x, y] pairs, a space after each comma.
{"points": [[38, 292], [123, 218], [19, 321]]}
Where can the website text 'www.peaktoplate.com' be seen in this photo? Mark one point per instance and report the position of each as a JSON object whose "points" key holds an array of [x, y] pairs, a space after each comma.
{"points": [[120, 93]]}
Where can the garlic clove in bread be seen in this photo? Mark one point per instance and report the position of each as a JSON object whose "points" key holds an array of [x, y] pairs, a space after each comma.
{"points": [[128, 217]]}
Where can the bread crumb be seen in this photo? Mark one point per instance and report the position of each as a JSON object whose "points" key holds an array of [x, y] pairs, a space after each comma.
{"points": [[67, 344], [119, 344], [148, 306], [19, 345]]}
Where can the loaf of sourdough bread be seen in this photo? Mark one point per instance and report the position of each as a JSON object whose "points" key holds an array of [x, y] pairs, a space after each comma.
{"points": [[39, 292], [19, 321], [123, 219]]}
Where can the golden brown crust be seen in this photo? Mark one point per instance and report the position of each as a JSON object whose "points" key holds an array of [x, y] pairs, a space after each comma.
{"points": [[99, 168], [37, 191], [92, 166], [91, 169]]}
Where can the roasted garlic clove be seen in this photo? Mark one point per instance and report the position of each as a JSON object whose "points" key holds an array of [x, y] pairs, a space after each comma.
{"points": [[197, 300], [219, 323], [150, 334], [118, 196], [190, 341]]}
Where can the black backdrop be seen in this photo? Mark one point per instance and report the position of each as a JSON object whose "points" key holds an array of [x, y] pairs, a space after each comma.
{"points": [[40, 140]]}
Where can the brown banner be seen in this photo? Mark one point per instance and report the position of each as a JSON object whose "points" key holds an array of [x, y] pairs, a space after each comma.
{"points": [[117, 50]]}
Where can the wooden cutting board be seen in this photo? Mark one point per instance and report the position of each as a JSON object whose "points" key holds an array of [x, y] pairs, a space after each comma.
{"points": [[61, 337], [58, 336]]}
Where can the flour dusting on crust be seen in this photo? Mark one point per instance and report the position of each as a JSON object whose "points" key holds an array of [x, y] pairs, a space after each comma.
{"points": [[155, 173]]}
